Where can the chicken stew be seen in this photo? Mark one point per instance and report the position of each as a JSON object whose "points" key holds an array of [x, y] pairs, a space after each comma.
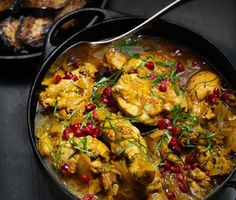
{"points": [[144, 118]]}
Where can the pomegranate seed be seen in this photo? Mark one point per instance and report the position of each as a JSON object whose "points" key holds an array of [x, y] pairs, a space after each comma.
{"points": [[152, 76], [107, 92], [224, 96], [174, 130], [175, 169], [207, 173], [162, 86], [150, 65], [173, 142], [170, 195], [96, 131], [177, 149], [74, 78], [78, 133], [89, 197], [187, 167], [167, 165], [57, 79], [77, 63], [85, 178], [105, 100], [193, 166], [68, 75], [75, 127], [212, 98], [95, 114], [66, 133], [65, 169], [180, 67], [163, 123], [179, 176], [90, 107], [86, 130], [183, 188], [216, 91], [191, 160], [113, 109]]}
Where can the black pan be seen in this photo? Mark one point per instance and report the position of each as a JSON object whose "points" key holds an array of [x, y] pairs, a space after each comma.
{"points": [[111, 28], [26, 66]]}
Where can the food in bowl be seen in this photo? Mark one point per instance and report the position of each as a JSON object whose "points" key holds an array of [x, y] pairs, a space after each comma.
{"points": [[23, 32], [143, 118]]}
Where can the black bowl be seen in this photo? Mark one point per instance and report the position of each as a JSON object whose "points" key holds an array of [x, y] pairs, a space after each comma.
{"points": [[25, 66]]}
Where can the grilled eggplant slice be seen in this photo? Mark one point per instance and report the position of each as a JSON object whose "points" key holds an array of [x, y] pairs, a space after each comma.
{"points": [[71, 6], [55, 4], [8, 33], [32, 31], [6, 4]]}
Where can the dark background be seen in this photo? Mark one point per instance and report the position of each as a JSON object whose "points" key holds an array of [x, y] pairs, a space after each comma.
{"points": [[21, 178]]}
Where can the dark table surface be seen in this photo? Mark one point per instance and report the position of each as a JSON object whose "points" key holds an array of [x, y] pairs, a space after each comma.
{"points": [[21, 178]]}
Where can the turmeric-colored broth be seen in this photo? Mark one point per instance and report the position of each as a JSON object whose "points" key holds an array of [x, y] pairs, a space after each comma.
{"points": [[144, 118]]}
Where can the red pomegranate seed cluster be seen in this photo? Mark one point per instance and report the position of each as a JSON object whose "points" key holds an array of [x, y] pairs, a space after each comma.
{"points": [[69, 75], [89, 197], [183, 188], [175, 145], [170, 195], [74, 61], [107, 100], [163, 123], [77, 131], [90, 107], [91, 129], [216, 95], [191, 162]]}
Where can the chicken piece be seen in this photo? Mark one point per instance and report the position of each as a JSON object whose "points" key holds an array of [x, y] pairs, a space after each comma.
{"points": [[216, 164], [157, 196], [125, 139], [199, 86], [197, 190], [114, 59], [198, 175], [69, 94], [95, 147], [108, 176], [137, 97], [45, 146]]}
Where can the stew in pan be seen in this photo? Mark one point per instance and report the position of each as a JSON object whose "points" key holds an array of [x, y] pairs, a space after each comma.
{"points": [[144, 118]]}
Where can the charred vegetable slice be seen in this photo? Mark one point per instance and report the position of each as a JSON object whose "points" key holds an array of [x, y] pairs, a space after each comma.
{"points": [[6, 4], [32, 31], [56, 4], [8, 33], [71, 6]]}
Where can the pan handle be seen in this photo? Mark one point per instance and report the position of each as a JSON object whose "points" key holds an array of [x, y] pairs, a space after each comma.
{"points": [[97, 15]]}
